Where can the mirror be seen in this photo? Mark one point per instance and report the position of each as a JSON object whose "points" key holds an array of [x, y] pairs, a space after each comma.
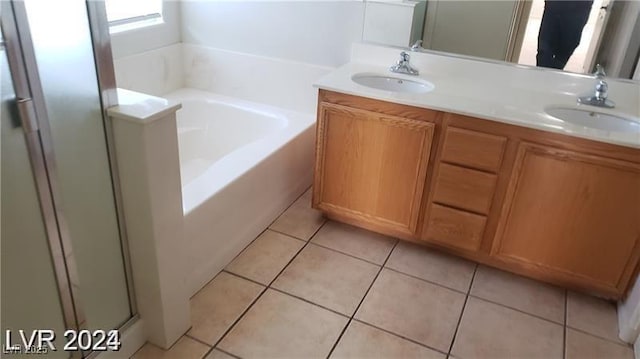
{"points": [[559, 34]]}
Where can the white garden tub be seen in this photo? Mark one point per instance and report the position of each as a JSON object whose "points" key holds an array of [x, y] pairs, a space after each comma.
{"points": [[241, 164]]}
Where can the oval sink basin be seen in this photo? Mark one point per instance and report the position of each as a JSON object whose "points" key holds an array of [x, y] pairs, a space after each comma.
{"points": [[595, 119], [393, 84]]}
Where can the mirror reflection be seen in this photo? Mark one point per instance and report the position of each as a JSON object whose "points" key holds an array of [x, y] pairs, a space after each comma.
{"points": [[571, 35]]}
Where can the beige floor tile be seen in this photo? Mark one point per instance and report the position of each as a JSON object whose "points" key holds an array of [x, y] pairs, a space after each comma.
{"points": [[489, 330], [281, 326], [263, 259], [299, 220], [219, 304], [412, 308], [217, 354], [184, 348], [328, 278], [354, 241], [428, 264], [592, 315], [520, 293], [364, 341], [585, 346]]}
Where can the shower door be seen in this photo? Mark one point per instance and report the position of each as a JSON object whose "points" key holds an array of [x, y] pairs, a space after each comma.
{"points": [[64, 265]]}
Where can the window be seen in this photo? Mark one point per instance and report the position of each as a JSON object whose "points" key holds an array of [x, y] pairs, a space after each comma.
{"points": [[126, 14]]}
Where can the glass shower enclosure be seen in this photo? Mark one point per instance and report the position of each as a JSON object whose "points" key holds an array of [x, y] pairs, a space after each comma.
{"points": [[64, 262]]}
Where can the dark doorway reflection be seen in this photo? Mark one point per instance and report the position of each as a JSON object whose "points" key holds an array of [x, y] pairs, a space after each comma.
{"points": [[560, 31]]}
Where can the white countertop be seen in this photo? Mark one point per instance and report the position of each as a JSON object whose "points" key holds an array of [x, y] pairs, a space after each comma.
{"points": [[492, 91]]}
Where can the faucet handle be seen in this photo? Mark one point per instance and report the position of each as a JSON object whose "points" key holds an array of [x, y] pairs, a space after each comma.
{"points": [[417, 46], [404, 57], [602, 90], [599, 73]]}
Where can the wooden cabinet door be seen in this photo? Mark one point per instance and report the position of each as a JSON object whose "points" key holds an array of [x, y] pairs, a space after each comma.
{"points": [[573, 217], [371, 167]]}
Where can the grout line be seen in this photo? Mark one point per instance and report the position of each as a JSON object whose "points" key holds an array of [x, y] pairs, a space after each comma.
{"points": [[306, 243], [226, 352], [464, 306], [292, 236], [473, 278], [290, 205], [621, 343], [308, 301], [515, 309], [285, 234], [564, 331], [362, 300], [347, 254], [245, 278], [399, 336], [225, 267], [258, 236], [426, 280], [196, 339], [264, 290]]}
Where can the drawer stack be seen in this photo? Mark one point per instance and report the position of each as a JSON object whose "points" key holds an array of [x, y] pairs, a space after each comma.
{"points": [[464, 188]]}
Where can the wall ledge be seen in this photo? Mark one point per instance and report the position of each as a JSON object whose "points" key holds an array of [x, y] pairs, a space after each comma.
{"points": [[141, 108]]}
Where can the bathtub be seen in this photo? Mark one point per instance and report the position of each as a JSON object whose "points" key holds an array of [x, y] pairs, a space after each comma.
{"points": [[241, 165]]}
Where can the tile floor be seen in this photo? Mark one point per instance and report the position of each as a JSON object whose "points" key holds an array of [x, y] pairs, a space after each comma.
{"points": [[310, 288]]}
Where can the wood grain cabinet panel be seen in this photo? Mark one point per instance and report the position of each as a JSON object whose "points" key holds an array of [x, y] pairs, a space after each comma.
{"points": [[455, 228], [552, 207], [473, 149], [371, 168], [464, 188], [572, 216]]}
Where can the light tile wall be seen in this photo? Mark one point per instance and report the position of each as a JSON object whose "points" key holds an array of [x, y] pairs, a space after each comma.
{"points": [[316, 32]]}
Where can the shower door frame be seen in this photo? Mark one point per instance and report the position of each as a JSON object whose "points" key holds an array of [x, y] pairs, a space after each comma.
{"points": [[35, 123]]}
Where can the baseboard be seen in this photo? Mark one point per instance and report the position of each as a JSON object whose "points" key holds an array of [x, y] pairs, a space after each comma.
{"points": [[132, 339]]}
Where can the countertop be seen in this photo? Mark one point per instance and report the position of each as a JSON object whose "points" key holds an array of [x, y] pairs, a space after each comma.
{"points": [[493, 91]]}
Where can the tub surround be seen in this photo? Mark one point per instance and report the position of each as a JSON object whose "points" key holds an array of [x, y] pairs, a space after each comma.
{"points": [[155, 72], [268, 80], [473, 169], [492, 91], [146, 145]]}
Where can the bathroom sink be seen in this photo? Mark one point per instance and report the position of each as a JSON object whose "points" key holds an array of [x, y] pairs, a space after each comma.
{"points": [[391, 83], [595, 119]]}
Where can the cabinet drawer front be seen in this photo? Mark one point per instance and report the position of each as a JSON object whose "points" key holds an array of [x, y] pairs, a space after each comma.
{"points": [[473, 149], [464, 188], [455, 228]]}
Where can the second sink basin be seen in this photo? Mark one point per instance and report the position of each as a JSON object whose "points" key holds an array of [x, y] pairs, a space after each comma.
{"points": [[391, 83], [594, 119]]}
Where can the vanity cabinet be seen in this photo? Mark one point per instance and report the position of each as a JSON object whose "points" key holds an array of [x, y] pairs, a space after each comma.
{"points": [[571, 215], [371, 167], [545, 205]]}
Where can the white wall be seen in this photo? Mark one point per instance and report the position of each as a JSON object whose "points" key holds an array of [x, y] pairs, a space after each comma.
{"points": [[151, 37], [316, 32]]}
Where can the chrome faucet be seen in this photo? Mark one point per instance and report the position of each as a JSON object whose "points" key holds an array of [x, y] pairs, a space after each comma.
{"points": [[417, 46], [599, 98], [403, 66]]}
